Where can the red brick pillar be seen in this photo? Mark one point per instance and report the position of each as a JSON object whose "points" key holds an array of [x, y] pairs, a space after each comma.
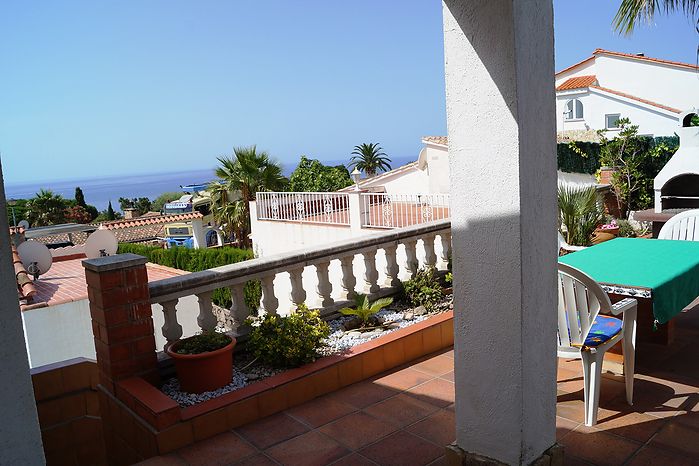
{"points": [[122, 320]]}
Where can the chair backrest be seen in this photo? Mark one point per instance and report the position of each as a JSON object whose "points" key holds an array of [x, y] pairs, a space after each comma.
{"points": [[683, 226], [580, 299]]}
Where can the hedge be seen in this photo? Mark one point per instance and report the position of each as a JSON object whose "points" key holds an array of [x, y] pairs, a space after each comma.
{"points": [[571, 161], [586, 158], [195, 260]]}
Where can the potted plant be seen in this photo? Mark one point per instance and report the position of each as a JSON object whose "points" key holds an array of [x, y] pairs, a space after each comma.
{"points": [[612, 228], [204, 362]]}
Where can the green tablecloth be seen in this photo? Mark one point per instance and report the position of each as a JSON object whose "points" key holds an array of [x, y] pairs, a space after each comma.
{"points": [[669, 268]]}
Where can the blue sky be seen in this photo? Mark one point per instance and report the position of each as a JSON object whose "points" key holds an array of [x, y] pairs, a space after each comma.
{"points": [[92, 89]]}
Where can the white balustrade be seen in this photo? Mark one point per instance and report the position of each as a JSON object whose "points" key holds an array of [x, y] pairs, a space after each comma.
{"points": [[328, 277], [172, 330], [206, 319], [239, 309]]}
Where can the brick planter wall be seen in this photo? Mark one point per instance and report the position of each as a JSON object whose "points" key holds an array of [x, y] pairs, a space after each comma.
{"points": [[69, 412], [147, 423]]}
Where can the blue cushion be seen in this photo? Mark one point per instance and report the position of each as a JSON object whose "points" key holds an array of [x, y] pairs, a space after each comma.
{"points": [[603, 329]]}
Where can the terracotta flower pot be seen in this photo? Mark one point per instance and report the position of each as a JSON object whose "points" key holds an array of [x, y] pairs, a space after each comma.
{"points": [[203, 372]]}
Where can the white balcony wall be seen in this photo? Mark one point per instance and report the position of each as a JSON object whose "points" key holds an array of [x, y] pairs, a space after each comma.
{"points": [[64, 331]]}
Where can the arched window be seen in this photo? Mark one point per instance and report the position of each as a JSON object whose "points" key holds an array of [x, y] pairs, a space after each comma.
{"points": [[573, 110]]}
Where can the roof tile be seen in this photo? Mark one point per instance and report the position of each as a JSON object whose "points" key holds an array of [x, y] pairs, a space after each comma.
{"points": [[577, 82]]}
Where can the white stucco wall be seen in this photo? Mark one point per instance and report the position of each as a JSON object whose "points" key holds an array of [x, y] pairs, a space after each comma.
{"points": [[410, 181], [501, 124], [597, 104], [20, 436], [435, 159], [64, 331]]}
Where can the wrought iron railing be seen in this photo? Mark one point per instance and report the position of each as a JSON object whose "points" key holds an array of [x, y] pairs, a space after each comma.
{"points": [[329, 208], [385, 210]]}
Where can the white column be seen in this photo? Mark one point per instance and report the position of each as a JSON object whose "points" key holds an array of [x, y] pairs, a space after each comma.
{"points": [[357, 211], [20, 437], [502, 133], [198, 233]]}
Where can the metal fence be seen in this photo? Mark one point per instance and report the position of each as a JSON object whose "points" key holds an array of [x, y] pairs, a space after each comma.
{"points": [[328, 208], [383, 210]]}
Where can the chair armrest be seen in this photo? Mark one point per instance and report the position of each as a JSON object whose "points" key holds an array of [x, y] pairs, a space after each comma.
{"points": [[624, 305]]}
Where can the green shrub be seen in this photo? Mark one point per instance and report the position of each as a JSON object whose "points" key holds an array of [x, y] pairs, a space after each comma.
{"points": [[423, 289], [578, 157], [448, 278], [364, 309], [625, 229], [288, 341], [204, 342], [195, 260], [579, 212]]}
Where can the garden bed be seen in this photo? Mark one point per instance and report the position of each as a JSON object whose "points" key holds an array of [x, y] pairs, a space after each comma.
{"points": [[247, 371]]}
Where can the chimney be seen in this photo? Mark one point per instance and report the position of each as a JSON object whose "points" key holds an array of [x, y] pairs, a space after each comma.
{"points": [[130, 213], [640, 54]]}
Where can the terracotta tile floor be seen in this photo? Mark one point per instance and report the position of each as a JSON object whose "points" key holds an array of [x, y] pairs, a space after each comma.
{"points": [[406, 417]]}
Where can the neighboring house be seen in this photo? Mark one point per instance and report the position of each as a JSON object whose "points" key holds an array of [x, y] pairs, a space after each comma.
{"points": [[596, 92]]}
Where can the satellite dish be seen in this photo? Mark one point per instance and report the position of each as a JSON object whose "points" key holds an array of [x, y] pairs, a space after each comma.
{"points": [[23, 224], [101, 243], [36, 257]]}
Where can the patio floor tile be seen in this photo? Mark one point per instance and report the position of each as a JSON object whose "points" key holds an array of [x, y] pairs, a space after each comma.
{"points": [[438, 428], [309, 449], [320, 411], [222, 449], [404, 379], [599, 447], [680, 438], [401, 410], [271, 430], [563, 426], [363, 394], [257, 460], [357, 430], [403, 449], [651, 456], [436, 366], [354, 459], [630, 425], [167, 460], [438, 392]]}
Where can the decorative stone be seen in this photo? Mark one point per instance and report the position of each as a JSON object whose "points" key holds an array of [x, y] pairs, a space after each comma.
{"points": [[420, 311], [408, 315], [354, 334]]}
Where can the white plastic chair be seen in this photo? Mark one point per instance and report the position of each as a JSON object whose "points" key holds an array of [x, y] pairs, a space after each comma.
{"points": [[562, 244], [683, 226], [582, 301]]}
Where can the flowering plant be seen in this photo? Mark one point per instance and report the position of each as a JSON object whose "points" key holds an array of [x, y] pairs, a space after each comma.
{"points": [[609, 226]]}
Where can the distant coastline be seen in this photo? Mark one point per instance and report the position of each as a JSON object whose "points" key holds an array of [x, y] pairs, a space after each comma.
{"points": [[99, 191]]}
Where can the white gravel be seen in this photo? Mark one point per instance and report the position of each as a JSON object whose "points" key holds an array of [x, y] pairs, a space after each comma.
{"points": [[339, 340]]}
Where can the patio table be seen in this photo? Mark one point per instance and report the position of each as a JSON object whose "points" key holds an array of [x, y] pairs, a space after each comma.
{"points": [[662, 274]]}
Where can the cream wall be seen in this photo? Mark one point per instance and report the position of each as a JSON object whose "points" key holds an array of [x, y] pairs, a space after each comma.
{"points": [[597, 104], [64, 331]]}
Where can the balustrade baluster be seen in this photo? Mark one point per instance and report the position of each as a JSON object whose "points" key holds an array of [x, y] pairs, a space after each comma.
{"points": [[206, 318], [324, 287], [430, 256], [297, 294], [270, 303], [239, 310], [445, 240], [172, 330], [392, 267], [371, 275], [348, 279], [411, 263]]}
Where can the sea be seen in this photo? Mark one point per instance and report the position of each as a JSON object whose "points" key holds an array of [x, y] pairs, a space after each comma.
{"points": [[99, 191]]}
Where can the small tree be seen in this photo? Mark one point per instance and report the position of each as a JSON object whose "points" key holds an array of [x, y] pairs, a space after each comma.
{"points": [[370, 159], [110, 212], [46, 208], [160, 201], [311, 175], [140, 204], [80, 197], [636, 161], [579, 212], [78, 214]]}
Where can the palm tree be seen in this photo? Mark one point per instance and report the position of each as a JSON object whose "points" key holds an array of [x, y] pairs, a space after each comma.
{"points": [[246, 173], [46, 208], [370, 159], [633, 12]]}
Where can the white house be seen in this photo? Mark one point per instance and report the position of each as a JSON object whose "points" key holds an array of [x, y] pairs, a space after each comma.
{"points": [[594, 93]]}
